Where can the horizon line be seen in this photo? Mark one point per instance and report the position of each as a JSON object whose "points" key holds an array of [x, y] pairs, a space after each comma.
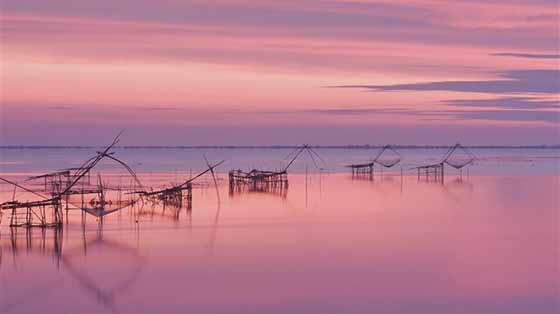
{"points": [[345, 146]]}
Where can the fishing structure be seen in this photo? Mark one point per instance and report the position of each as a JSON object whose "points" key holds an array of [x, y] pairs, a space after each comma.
{"points": [[60, 189], [437, 171], [58, 192], [382, 158], [73, 189], [274, 181], [275, 190], [178, 196]]}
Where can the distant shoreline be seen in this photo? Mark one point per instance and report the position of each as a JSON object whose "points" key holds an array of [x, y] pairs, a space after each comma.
{"points": [[365, 146]]}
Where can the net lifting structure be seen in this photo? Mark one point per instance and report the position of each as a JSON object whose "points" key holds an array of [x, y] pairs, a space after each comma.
{"points": [[387, 157], [180, 195], [457, 156], [73, 189], [269, 180], [59, 187]]}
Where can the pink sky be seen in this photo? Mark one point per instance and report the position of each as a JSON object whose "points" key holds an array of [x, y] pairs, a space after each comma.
{"points": [[280, 72]]}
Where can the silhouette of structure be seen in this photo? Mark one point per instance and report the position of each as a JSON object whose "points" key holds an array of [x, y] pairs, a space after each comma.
{"points": [[73, 189], [58, 188], [436, 171], [271, 189], [173, 196], [387, 157], [268, 180]]}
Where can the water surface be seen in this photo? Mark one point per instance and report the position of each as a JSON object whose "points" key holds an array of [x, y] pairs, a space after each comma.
{"points": [[482, 243]]}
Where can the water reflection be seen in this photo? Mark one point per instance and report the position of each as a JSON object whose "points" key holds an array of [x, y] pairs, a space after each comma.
{"points": [[332, 245], [44, 241], [80, 261], [116, 250], [280, 191], [171, 212]]}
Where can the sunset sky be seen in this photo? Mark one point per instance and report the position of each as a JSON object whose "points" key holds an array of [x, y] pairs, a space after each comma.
{"points": [[243, 72]]}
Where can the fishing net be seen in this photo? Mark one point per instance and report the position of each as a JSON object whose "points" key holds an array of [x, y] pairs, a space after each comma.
{"points": [[313, 155], [458, 157], [388, 157]]}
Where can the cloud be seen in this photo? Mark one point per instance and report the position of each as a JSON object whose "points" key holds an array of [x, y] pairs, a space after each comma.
{"points": [[249, 13], [505, 115], [61, 107], [157, 108], [508, 114], [515, 81], [506, 103], [361, 111], [433, 23], [527, 55]]}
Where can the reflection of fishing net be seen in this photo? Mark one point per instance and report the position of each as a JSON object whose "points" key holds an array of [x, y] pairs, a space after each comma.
{"points": [[108, 270], [387, 157], [458, 157]]}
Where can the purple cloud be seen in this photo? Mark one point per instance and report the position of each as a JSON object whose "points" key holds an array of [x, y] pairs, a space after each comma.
{"points": [[527, 55], [330, 19], [506, 103], [516, 81], [463, 115]]}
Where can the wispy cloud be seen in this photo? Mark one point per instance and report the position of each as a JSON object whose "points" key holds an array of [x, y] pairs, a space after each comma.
{"points": [[507, 114], [527, 55], [506, 103], [515, 81], [158, 108], [59, 107], [361, 111]]}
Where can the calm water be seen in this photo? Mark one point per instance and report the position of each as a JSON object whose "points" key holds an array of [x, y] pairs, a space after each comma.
{"points": [[486, 243], [506, 162]]}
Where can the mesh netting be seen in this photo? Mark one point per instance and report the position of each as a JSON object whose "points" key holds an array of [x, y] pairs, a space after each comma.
{"points": [[458, 157], [313, 155], [388, 157]]}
